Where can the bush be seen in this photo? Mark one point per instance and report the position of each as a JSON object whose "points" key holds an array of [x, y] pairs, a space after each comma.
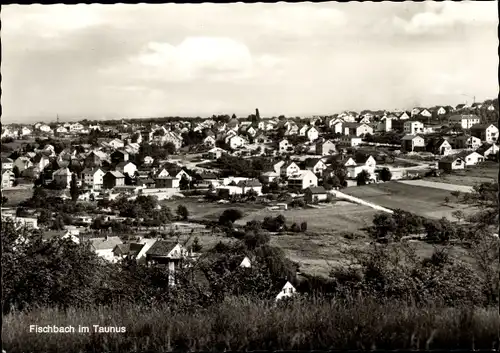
{"points": [[295, 228], [230, 215], [303, 226]]}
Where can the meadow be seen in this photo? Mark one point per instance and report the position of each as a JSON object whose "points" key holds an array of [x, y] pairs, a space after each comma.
{"points": [[420, 200], [241, 324], [484, 172], [16, 195]]}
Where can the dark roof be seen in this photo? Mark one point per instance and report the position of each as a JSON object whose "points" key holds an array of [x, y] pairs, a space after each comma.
{"points": [[317, 190], [484, 147], [161, 248], [6, 160], [361, 159], [130, 248], [249, 183], [480, 126], [209, 176], [449, 159], [312, 162]]}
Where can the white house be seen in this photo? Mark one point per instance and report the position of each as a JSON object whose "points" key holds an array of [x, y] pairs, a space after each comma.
{"points": [[246, 263], [148, 160], [93, 177], [302, 180], [104, 247], [61, 130], [410, 142], [312, 133], [465, 121], [469, 142], [22, 163], [76, 127], [441, 111], [357, 164], [7, 163], [425, 113], [44, 128], [116, 144], [317, 166], [486, 132], [8, 178], [289, 168], [487, 149], [471, 157], [385, 124], [127, 167], [403, 116], [236, 141], [413, 127], [284, 145], [287, 291]]}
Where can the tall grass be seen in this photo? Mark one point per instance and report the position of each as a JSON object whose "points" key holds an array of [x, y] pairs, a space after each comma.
{"points": [[242, 324]]}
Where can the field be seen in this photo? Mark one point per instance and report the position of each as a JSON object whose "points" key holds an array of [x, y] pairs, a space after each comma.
{"points": [[331, 218], [423, 201], [484, 172], [17, 195], [208, 210]]}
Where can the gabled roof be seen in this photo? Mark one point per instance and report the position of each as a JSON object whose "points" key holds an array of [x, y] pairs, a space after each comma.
{"points": [[116, 174], [361, 159], [249, 183], [463, 116], [410, 137], [481, 126], [105, 244], [162, 247], [312, 162], [450, 159], [7, 160], [317, 190]]}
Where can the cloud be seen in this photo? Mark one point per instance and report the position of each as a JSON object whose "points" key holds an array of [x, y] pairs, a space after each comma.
{"points": [[49, 21], [208, 58], [446, 14]]}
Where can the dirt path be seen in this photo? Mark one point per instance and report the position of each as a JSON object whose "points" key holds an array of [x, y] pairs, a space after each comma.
{"points": [[436, 185]]}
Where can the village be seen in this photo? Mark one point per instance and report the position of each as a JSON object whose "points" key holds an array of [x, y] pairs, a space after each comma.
{"points": [[201, 167]]}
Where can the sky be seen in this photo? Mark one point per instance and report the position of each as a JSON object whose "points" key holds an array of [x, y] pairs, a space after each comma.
{"points": [[111, 61]]}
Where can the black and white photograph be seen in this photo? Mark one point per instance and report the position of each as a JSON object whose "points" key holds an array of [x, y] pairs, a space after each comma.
{"points": [[250, 177]]}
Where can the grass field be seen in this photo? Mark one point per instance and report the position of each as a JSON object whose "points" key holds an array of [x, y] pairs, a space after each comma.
{"points": [[333, 218], [15, 196], [484, 172], [423, 201], [208, 210]]}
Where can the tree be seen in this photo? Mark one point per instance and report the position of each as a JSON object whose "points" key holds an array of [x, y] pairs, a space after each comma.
{"points": [[182, 212], [58, 223], [362, 178], [45, 217], [73, 188], [231, 215], [16, 171], [303, 226], [184, 183], [196, 245], [385, 174], [169, 148]]}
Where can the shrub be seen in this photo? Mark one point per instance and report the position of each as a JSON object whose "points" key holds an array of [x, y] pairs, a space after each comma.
{"points": [[230, 215], [303, 226]]}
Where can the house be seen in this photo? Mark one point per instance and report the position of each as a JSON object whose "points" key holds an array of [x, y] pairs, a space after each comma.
{"points": [[412, 127], [440, 147], [45, 128], [127, 168], [410, 142], [488, 150], [415, 111], [8, 178], [464, 121], [357, 129], [312, 133], [441, 111], [168, 253], [113, 179], [337, 126], [22, 163], [209, 141], [262, 138], [128, 250], [148, 160], [313, 194], [470, 157], [287, 291], [93, 177], [468, 142], [233, 124], [450, 163], [425, 113], [357, 164], [246, 263], [248, 185], [486, 132], [289, 168], [104, 247], [7, 163], [119, 156], [76, 127], [61, 130], [303, 129], [331, 121], [403, 116], [349, 141], [25, 131], [40, 161], [235, 142], [325, 148], [215, 153], [167, 182], [62, 234], [317, 166], [269, 177], [62, 177], [302, 180], [384, 125], [284, 146], [491, 108]]}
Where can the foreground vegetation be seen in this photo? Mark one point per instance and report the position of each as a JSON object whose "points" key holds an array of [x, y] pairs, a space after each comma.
{"points": [[240, 324]]}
